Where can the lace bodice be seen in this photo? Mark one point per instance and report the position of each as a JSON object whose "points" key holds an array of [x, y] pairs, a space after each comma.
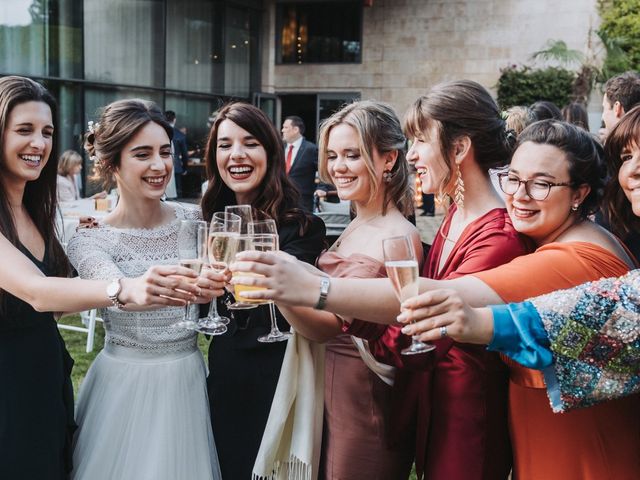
{"points": [[107, 252]]}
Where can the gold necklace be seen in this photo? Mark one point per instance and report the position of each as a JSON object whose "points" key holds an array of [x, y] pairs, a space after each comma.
{"points": [[348, 231]]}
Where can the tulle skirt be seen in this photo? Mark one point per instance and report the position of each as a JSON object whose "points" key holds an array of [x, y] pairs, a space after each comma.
{"points": [[144, 417]]}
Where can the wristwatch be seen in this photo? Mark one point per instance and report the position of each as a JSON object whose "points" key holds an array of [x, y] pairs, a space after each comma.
{"points": [[325, 283], [113, 290]]}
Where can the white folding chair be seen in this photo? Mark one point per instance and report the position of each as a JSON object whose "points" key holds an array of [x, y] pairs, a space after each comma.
{"points": [[89, 319]]}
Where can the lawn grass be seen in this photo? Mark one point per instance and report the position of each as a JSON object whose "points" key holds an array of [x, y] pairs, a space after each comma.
{"points": [[77, 342]]}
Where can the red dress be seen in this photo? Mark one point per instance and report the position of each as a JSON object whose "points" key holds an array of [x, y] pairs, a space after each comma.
{"points": [[456, 397]]}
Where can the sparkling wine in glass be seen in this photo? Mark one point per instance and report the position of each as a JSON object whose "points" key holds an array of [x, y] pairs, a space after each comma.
{"points": [[402, 269], [223, 234], [192, 254], [244, 243]]}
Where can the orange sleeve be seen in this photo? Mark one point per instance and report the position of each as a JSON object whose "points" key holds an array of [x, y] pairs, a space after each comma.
{"points": [[552, 267]]}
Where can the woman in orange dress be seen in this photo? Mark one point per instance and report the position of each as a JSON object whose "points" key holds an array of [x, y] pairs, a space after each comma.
{"points": [[549, 197]]}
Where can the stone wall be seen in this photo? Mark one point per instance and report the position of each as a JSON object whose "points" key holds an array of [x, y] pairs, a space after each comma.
{"points": [[409, 45]]}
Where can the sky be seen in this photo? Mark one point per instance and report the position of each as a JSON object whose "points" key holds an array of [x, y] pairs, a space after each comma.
{"points": [[15, 12]]}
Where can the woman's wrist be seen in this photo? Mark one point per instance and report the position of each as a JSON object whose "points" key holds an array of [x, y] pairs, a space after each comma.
{"points": [[485, 325]]}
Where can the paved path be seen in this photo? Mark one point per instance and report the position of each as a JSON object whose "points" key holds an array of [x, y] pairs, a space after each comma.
{"points": [[428, 227]]}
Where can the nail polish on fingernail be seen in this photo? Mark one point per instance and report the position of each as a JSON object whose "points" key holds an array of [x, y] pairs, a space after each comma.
{"points": [[405, 330]]}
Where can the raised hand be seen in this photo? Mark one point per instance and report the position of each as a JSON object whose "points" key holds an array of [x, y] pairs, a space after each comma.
{"points": [[443, 313], [212, 284], [285, 279], [160, 285]]}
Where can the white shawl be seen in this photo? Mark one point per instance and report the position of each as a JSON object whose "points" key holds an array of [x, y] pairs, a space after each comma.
{"points": [[290, 448]]}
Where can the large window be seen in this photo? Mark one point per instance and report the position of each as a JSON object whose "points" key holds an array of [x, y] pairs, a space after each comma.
{"points": [[319, 32], [189, 56], [40, 38], [195, 60], [124, 42]]}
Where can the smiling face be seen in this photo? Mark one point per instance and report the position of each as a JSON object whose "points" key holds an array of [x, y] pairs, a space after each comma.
{"points": [[542, 220], [431, 165], [145, 163], [28, 139], [347, 166], [241, 160], [629, 176]]}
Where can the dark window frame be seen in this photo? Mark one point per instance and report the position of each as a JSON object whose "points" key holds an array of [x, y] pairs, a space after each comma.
{"points": [[278, 22]]}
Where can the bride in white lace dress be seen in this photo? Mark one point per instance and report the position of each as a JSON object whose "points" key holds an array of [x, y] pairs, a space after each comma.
{"points": [[142, 409]]}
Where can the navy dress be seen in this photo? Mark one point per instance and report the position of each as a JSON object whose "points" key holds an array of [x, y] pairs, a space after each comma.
{"points": [[244, 372], [36, 395]]}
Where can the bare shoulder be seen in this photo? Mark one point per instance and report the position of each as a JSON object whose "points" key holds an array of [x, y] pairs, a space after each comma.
{"points": [[594, 233]]}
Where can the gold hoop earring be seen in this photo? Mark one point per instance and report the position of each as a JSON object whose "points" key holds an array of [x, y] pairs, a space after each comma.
{"points": [[458, 194]]}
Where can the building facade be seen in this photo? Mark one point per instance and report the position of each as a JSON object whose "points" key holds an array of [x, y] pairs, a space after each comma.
{"points": [[405, 46], [301, 57]]}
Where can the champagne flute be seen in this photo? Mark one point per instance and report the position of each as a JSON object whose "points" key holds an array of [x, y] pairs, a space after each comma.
{"points": [[192, 253], [245, 212], [267, 226], [223, 233], [262, 227], [243, 243], [402, 269], [268, 242]]}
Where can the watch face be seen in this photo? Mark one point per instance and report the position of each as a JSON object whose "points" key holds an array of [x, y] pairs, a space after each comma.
{"points": [[113, 289]]}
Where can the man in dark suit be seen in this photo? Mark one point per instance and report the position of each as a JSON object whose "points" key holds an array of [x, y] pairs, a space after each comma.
{"points": [[180, 154], [301, 159]]}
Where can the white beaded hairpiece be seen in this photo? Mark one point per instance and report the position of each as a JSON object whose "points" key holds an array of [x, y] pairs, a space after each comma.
{"points": [[93, 127]]}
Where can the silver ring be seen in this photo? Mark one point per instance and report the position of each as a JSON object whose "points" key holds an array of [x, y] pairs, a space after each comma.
{"points": [[443, 332]]}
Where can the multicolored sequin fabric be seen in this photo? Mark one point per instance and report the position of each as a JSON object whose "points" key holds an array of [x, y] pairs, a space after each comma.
{"points": [[594, 330]]}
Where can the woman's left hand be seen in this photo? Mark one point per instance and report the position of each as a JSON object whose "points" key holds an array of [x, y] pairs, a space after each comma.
{"points": [[212, 284], [442, 313]]}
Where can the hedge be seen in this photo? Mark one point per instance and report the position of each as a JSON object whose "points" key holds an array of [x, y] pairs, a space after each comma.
{"points": [[524, 86]]}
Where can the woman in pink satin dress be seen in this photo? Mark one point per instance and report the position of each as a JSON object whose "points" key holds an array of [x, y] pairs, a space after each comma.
{"points": [[362, 154]]}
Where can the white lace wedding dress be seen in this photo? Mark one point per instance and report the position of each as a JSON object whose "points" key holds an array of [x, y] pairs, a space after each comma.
{"points": [[142, 409]]}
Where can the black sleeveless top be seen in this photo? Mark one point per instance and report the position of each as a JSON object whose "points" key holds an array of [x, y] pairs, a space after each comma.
{"points": [[36, 395]]}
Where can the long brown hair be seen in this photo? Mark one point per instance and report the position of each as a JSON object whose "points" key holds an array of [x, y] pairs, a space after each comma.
{"points": [[276, 196], [39, 197], [379, 129], [625, 134]]}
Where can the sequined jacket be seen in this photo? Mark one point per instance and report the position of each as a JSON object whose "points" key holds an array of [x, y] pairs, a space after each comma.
{"points": [[585, 339]]}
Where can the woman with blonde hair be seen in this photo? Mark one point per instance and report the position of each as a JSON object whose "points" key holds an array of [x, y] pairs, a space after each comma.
{"points": [[69, 165], [362, 153]]}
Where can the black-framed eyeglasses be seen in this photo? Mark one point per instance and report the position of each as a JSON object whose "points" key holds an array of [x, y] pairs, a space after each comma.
{"points": [[536, 189]]}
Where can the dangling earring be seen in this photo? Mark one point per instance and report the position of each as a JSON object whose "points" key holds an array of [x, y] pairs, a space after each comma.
{"points": [[387, 175], [574, 208], [458, 195]]}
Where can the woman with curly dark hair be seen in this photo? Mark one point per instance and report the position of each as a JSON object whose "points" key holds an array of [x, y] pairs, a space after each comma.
{"points": [[245, 165]]}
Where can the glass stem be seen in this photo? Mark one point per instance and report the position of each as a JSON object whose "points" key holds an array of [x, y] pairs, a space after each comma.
{"points": [[213, 309], [274, 324]]}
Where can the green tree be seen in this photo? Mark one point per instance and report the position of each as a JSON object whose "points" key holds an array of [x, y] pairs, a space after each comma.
{"points": [[621, 26]]}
